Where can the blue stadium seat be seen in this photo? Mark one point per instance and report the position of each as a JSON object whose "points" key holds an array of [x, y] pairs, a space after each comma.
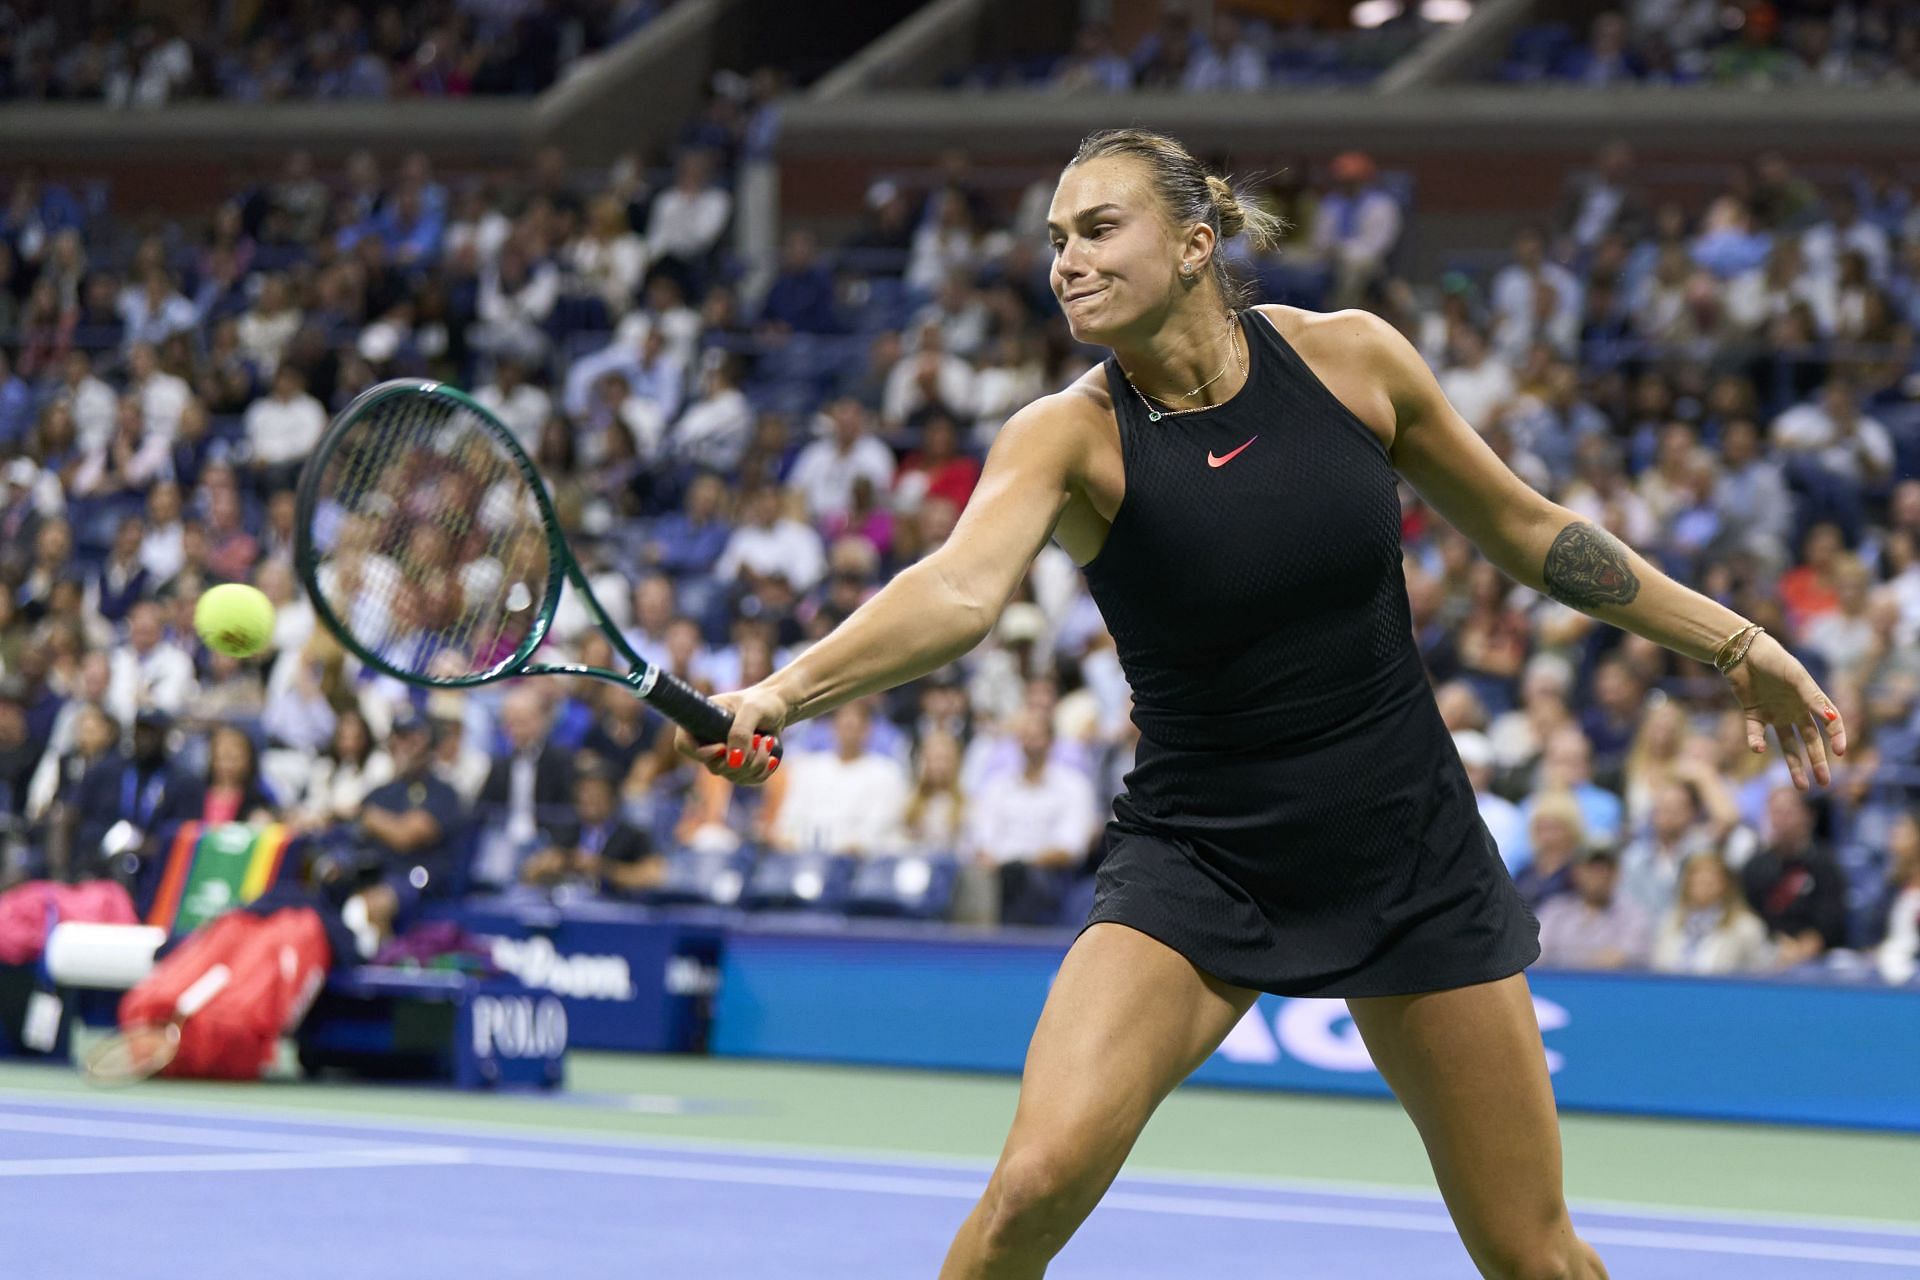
{"points": [[799, 882], [702, 879], [912, 886]]}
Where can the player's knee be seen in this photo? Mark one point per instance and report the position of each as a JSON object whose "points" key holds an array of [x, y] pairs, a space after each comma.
{"points": [[1030, 1203]]}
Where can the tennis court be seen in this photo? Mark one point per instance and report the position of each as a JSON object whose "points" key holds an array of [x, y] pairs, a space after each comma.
{"points": [[644, 1170]]}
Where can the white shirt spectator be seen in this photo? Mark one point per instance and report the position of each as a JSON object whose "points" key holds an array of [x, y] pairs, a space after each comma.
{"points": [[161, 678], [1015, 818], [1899, 955], [788, 548], [905, 395], [163, 399], [843, 806], [1477, 390], [824, 473], [1366, 233], [1824, 245], [1867, 453], [92, 403], [523, 411], [154, 320], [264, 337], [163, 550], [687, 224], [281, 431], [611, 269], [715, 431]]}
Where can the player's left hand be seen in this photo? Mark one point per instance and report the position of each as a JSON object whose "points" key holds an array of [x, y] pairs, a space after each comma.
{"points": [[1774, 689]]}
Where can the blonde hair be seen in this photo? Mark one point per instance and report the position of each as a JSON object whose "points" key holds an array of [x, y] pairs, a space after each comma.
{"points": [[1190, 194]]}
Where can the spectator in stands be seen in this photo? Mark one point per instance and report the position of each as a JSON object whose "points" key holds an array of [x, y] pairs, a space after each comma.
{"points": [[1710, 929], [1595, 926], [533, 781], [1556, 835], [1676, 830], [935, 820], [824, 474], [1566, 765], [1032, 827], [1898, 955], [768, 544], [149, 671], [609, 260], [231, 791], [802, 298], [1476, 381], [687, 218], [339, 781], [598, 848], [1833, 441], [1843, 636], [715, 430], [848, 800], [405, 837], [1794, 884], [1227, 59], [1094, 65], [522, 407], [268, 326], [927, 378], [1358, 228], [1604, 200], [282, 430], [1503, 818], [937, 468]]}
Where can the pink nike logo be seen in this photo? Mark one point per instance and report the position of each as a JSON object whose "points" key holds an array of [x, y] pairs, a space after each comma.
{"points": [[1221, 462]]}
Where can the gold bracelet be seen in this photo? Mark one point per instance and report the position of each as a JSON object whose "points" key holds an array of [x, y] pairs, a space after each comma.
{"points": [[1726, 646], [1741, 656]]}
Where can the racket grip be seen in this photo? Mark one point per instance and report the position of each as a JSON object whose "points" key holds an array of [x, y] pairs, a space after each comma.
{"points": [[707, 721]]}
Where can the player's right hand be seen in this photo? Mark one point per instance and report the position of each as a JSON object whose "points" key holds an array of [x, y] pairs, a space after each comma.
{"points": [[745, 758]]}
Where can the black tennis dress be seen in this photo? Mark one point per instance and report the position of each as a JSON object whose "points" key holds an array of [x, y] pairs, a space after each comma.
{"points": [[1297, 819]]}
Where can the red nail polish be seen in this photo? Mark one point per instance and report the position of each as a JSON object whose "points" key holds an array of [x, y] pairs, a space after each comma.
{"points": [[1832, 714], [756, 742], [774, 766], [736, 758]]}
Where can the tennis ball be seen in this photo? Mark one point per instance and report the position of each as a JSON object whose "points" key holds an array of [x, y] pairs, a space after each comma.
{"points": [[234, 619]]}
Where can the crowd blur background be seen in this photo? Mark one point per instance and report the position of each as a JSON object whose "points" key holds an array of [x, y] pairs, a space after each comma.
{"points": [[743, 451]]}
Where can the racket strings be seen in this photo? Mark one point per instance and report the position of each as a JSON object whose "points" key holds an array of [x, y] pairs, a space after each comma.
{"points": [[434, 557]]}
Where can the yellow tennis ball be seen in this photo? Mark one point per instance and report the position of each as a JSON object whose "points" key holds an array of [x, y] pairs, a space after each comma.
{"points": [[234, 619]]}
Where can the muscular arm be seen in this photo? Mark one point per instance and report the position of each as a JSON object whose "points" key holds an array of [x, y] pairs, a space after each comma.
{"points": [[938, 609], [1532, 539]]}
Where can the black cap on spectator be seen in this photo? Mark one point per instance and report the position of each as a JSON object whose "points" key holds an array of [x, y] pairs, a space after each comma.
{"points": [[152, 718]]}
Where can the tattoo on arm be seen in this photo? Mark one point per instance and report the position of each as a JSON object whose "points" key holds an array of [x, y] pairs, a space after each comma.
{"points": [[1587, 567]]}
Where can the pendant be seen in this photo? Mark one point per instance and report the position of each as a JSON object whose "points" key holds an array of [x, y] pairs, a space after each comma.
{"points": [[1153, 415]]}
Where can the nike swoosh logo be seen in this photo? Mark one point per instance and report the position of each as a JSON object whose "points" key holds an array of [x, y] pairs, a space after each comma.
{"points": [[1221, 462]]}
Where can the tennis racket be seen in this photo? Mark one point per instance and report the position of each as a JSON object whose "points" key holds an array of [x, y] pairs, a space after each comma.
{"points": [[429, 546], [133, 1055]]}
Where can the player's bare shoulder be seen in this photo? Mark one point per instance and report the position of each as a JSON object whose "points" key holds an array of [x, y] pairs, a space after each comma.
{"points": [[1354, 353], [1062, 429]]}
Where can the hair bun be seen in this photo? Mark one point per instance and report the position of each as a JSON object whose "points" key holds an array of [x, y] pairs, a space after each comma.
{"points": [[1232, 220]]}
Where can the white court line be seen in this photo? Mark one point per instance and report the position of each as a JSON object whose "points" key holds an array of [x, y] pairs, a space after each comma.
{"points": [[375, 1122], [230, 1162], [180, 1135], [1185, 1206]]}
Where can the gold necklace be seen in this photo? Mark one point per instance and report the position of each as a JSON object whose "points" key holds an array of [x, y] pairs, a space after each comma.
{"points": [[1154, 414]]}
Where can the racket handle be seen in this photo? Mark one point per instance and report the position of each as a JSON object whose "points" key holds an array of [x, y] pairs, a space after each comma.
{"points": [[707, 721]]}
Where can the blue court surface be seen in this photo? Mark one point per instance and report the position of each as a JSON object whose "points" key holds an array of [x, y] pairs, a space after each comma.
{"points": [[117, 1187]]}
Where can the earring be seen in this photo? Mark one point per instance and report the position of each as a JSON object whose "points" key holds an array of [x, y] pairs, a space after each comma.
{"points": [[1187, 270]]}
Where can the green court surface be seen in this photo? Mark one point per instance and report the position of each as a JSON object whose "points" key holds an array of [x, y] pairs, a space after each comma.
{"points": [[721, 1103]]}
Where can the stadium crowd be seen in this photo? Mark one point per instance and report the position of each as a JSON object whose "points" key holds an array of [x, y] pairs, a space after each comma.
{"points": [[1730, 387], [127, 56], [1754, 44]]}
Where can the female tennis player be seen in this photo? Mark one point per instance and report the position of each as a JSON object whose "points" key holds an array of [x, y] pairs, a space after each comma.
{"points": [[1298, 820]]}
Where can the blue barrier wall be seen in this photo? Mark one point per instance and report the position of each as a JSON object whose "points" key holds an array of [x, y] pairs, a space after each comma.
{"points": [[1728, 1049], [629, 978]]}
